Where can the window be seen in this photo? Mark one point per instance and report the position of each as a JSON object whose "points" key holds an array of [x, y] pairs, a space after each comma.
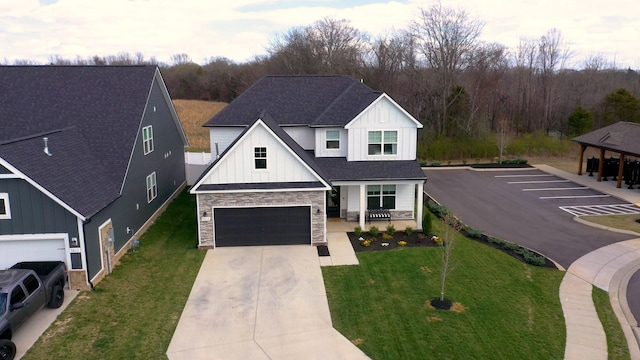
{"points": [[31, 284], [152, 188], [260, 157], [381, 196], [17, 295], [147, 139], [333, 139], [383, 142], [5, 210]]}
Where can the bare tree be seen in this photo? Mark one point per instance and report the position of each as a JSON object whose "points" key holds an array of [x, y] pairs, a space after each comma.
{"points": [[445, 38], [504, 135], [452, 226], [552, 55]]}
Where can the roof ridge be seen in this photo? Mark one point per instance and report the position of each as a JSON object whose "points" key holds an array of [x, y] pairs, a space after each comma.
{"points": [[33, 136]]}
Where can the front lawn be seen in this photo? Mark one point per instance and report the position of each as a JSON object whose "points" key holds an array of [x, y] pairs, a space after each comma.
{"points": [[133, 312], [506, 310]]}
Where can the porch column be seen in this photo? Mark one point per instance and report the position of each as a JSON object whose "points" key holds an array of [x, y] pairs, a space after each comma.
{"points": [[363, 202], [601, 165], [419, 205], [620, 171], [582, 149]]}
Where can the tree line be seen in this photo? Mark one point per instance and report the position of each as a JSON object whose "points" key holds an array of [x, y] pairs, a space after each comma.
{"points": [[436, 68]]}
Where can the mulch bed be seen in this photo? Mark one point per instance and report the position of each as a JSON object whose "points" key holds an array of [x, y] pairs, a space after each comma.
{"points": [[417, 239]]}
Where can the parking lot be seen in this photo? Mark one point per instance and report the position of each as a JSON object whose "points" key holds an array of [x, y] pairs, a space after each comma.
{"points": [[529, 207]]}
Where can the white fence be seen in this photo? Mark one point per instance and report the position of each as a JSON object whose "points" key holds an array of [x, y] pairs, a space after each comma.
{"points": [[196, 164]]}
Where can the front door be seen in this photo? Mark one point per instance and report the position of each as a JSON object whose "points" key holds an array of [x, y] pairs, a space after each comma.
{"points": [[333, 202]]}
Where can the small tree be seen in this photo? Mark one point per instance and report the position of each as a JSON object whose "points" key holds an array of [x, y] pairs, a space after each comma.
{"points": [[504, 136], [427, 227], [452, 226], [580, 121]]}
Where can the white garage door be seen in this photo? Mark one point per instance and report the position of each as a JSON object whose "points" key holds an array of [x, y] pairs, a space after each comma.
{"points": [[13, 251]]}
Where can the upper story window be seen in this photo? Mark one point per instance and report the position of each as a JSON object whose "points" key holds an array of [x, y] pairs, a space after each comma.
{"points": [[152, 187], [5, 210], [383, 142], [260, 157], [333, 139], [147, 139]]}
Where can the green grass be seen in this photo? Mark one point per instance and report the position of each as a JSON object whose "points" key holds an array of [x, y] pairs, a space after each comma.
{"points": [[511, 310], [616, 341], [133, 312], [485, 148]]}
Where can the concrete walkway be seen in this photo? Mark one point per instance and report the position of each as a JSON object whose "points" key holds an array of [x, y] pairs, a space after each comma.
{"points": [[609, 268]]}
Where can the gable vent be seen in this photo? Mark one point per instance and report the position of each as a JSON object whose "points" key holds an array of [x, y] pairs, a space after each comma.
{"points": [[46, 146]]}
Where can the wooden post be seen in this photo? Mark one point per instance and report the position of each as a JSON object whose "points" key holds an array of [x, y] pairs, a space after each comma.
{"points": [[583, 147], [620, 167], [601, 164]]}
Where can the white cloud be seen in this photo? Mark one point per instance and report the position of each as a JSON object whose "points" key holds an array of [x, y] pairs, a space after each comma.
{"points": [[242, 29]]}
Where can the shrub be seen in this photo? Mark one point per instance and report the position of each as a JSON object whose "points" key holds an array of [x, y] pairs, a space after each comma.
{"points": [[365, 242], [387, 237], [408, 230], [474, 234], [436, 163], [390, 229], [530, 257], [402, 243], [357, 231], [509, 246], [437, 209], [373, 231], [496, 241], [427, 226]]}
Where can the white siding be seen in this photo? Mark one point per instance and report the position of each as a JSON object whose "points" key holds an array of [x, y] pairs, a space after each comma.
{"points": [[303, 135], [321, 143], [237, 166], [224, 136], [382, 115]]}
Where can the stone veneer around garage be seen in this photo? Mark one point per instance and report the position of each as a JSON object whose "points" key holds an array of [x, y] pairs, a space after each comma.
{"points": [[248, 199]]}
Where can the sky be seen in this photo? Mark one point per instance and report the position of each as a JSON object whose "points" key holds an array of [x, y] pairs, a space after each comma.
{"points": [[239, 30]]}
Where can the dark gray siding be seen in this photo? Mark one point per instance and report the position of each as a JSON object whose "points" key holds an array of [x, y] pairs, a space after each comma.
{"points": [[131, 209], [32, 212]]}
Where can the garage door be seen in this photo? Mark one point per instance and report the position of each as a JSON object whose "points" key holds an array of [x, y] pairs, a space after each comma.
{"points": [[262, 226], [13, 251]]}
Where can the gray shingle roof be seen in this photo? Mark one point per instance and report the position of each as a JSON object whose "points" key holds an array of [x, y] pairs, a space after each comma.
{"points": [[98, 109], [339, 169], [622, 137], [317, 100]]}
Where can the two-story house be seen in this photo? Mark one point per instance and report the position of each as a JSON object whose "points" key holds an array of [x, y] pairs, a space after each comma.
{"points": [[293, 150], [89, 155]]}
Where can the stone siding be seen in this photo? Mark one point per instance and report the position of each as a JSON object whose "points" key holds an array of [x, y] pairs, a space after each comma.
{"points": [[316, 199]]}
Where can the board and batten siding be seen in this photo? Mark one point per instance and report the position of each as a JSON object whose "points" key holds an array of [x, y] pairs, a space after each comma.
{"points": [[303, 135], [382, 115], [237, 166], [321, 143], [33, 212], [223, 136]]}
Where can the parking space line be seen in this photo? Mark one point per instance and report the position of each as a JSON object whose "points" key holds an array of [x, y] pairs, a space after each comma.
{"points": [[539, 182], [616, 209], [532, 175], [574, 197], [554, 189]]}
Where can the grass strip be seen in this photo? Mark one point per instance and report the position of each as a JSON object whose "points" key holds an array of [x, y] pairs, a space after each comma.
{"points": [[133, 312], [504, 309], [616, 341]]}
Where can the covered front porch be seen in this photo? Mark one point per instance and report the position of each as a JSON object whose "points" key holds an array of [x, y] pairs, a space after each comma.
{"points": [[352, 202]]}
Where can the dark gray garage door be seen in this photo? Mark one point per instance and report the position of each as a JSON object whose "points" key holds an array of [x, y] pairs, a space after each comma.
{"points": [[262, 226]]}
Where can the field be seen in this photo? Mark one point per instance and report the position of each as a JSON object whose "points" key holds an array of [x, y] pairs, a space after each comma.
{"points": [[194, 113]]}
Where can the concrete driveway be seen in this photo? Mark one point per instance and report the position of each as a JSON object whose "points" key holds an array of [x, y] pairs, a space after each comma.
{"points": [[259, 303]]}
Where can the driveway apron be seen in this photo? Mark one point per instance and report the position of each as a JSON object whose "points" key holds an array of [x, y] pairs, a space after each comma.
{"points": [[259, 303]]}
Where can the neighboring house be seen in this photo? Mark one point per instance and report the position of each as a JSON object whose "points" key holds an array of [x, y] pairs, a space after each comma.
{"points": [[294, 150], [88, 156]]}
